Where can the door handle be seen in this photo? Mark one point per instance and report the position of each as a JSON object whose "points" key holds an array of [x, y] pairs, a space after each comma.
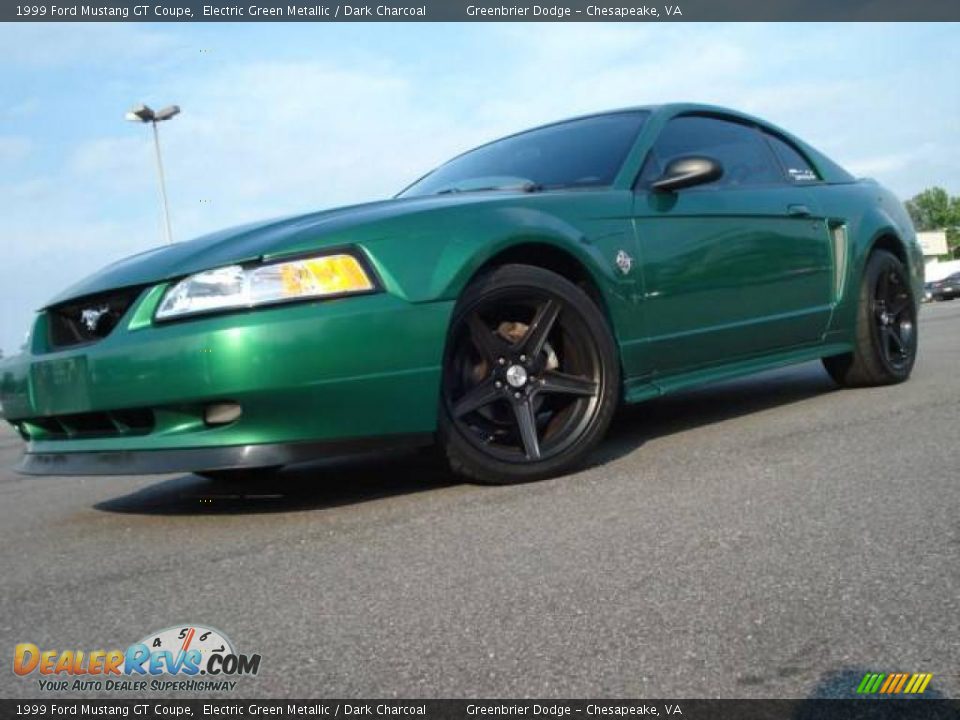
{"points": [[798, 211]]}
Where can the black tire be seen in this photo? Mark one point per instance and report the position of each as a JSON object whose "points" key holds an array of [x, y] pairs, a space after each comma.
{"points": [[885, 347], [531, 377], [240, 475]]}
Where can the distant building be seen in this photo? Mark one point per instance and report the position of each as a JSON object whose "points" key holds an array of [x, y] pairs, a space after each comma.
{"points": [[934, 244]]}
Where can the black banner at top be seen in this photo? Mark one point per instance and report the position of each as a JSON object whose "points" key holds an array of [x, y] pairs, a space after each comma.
{"points": [[479, 11]]}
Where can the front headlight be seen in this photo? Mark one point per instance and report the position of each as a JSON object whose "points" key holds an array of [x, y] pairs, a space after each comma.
{"points": [[237, 286]]}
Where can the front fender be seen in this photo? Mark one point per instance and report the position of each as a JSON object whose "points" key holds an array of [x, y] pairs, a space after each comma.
{"points": [[432, 257], [874, 217], [460, 263]]}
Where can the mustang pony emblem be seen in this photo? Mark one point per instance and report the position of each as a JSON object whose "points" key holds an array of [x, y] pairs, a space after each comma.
{"points": [[90, 317]]}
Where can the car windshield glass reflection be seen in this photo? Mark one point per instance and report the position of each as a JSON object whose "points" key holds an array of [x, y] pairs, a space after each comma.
{"points": [[579, 153]]}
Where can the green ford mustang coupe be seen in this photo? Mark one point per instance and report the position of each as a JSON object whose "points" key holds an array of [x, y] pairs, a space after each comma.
{"points": [[502, 306]]}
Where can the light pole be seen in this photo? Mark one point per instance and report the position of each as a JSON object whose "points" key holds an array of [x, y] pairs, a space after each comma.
{"points": [[144, 114]]}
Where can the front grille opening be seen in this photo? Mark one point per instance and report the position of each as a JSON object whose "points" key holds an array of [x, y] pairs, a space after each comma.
{"points": [[88, 319], [95, 423], [47, 426], [113, 423], [135, 420]]}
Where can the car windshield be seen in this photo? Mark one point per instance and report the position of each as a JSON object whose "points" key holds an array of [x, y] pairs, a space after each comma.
{"points": [[577, 153]]}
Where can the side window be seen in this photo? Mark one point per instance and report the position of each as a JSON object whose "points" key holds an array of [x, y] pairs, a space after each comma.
{"points": [[746, 158], [794, 164]]}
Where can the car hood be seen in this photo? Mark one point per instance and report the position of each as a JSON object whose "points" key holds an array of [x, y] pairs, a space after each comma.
{"points": [[252, 242]]}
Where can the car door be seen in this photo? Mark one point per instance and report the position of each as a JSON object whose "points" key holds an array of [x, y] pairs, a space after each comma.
{"points": [[733, 268]]}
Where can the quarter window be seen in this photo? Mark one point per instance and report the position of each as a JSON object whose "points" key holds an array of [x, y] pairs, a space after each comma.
{"points": [[746, 159], [796, 167]]}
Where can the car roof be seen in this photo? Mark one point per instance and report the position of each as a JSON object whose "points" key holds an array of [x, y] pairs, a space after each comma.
{"points": [[829, 170], [665, 108], [673, 108]]}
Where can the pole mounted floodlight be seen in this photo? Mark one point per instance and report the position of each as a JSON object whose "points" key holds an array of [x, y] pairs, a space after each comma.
{"points": [[145, 114]]}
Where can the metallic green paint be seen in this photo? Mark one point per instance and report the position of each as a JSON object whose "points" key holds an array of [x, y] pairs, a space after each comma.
{"points": [[722, 283], [299, 374]]}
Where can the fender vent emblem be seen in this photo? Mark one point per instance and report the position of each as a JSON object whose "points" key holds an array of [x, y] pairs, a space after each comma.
{"points": [[624, 262]]}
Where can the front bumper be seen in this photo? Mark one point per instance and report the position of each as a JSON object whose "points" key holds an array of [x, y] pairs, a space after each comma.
{"points": [[234, 457], [309, 377]]}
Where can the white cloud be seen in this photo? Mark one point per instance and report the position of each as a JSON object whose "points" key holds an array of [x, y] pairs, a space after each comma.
{"points": [[907, 171], [82, 44], [111, 161], [25, 108], [13, 149], [298, 135], [881, 164]]}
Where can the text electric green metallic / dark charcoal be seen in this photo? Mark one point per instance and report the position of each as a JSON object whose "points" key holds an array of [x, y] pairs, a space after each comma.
{"points": [[502, 305]]}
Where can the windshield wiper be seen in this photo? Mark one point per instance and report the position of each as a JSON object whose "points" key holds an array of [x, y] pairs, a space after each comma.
{"points": [[528, 187]]}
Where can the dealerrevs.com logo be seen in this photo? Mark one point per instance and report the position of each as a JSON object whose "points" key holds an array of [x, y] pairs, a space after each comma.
{"points": [[184, 657]]}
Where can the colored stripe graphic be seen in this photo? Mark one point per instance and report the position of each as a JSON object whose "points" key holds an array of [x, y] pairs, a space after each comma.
{"points": [[918, 683], [891, 681], [903, 679], [870, 683], [894, 683]]}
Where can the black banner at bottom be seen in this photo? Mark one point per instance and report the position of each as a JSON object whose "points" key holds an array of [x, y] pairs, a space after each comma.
{"points": [[857, 709]]}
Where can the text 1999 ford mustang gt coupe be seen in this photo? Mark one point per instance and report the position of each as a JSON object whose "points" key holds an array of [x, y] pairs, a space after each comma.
{"points": [[502, 305]]}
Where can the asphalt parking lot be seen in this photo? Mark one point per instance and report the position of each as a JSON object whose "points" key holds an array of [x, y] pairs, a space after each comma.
{"points": [[769, 537]]}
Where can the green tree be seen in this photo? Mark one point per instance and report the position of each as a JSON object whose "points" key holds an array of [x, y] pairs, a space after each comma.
{"points": [[935, 209]]}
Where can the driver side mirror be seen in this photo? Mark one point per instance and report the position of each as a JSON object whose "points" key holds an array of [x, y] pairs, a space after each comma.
{"points": [[684, 172]]}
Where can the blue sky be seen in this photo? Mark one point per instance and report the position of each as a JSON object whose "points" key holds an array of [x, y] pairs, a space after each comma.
{"points": [[281, 118]]}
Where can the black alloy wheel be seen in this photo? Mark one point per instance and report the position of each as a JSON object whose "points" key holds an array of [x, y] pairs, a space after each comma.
{"points": [[886, 338], [894, 321], [530, 376]]}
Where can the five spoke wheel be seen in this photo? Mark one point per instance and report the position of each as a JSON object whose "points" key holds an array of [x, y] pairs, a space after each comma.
{"points": [[893, 305], [519, 370], [885, 342], [527, 373]]}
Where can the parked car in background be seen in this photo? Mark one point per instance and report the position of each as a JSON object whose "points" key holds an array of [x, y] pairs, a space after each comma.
{"points": [[946, 289]]}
